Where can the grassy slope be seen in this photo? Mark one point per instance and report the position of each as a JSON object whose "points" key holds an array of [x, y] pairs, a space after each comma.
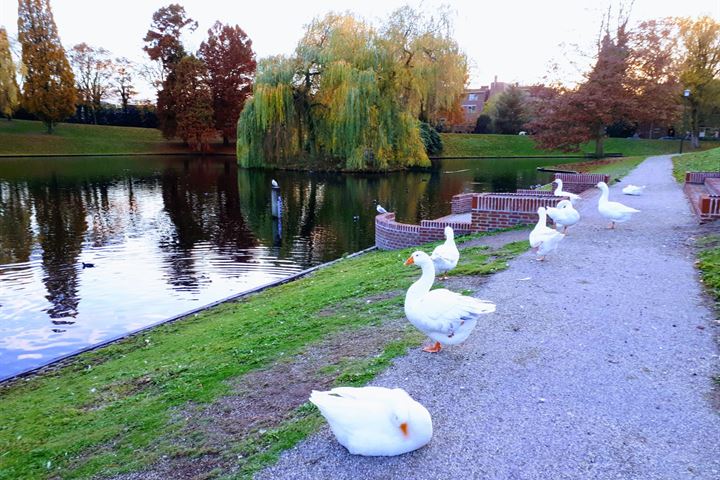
{"points": [[709, 266], [30, 137], [110, 409], [460, 144], [708, 160]]}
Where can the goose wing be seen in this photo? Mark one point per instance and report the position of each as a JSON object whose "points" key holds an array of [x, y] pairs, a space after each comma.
{"points": [[444, 311]]}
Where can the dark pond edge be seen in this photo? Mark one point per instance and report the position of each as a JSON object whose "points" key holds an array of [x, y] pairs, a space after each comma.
{"points": [[131, 154], [231, 298], [470, 157]]}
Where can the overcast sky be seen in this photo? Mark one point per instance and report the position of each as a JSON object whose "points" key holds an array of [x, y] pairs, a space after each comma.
{"points": [[516, 40]]}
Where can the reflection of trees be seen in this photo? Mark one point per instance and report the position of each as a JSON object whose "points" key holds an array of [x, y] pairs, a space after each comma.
{"points": [[15, 232], [60, 215], [202, 202]]}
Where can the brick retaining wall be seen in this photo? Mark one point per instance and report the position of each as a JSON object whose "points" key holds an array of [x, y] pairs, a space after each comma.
{"points": [[461, 203], [701, 189], [494, 211], [579, 182], [392, 235], [699, 177]]}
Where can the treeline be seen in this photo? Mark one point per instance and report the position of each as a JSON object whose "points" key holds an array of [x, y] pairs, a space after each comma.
{"points": [[199, 96]]}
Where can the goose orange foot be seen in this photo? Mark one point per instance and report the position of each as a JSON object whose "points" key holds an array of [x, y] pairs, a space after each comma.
{"points": [[433, 349]]}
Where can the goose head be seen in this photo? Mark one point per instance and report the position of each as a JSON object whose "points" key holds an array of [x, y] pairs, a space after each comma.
{"points": [[449, 233], [564, 204], [559, 183], [410, 418], [419, 258], [602, 186]]}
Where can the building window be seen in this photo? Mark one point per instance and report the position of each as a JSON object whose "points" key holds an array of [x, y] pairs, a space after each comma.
{"points": [[472, 97]]}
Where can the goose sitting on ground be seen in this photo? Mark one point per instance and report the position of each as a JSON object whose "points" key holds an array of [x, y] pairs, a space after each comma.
{"points": [[444, 316], [445, 257], [560, 193], [543, 238], [633, 189], [564, 215], [380, 209], [616, 212], [375, 421]]}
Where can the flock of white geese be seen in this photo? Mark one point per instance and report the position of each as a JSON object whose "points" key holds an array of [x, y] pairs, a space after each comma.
{"points": [[377, 421]]}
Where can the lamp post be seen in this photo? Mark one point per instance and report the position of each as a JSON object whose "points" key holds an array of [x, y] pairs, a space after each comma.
{"points": [[686, 96]]}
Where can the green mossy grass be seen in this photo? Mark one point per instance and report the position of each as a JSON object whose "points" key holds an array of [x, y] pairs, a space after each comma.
{"points": [[488, 145], [707, 161]]}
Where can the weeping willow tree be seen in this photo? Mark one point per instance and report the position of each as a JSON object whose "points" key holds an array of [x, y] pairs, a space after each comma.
{"points": [[351, 97]]}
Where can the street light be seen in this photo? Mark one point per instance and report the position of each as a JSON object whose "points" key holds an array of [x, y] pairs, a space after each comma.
{"points": [[686, 95]]}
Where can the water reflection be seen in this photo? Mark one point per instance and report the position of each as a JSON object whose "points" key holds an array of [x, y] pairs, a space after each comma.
{"points": [[167, 234]]}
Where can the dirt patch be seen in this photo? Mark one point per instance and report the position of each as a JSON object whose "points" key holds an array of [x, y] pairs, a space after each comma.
{"points": [[496, 241], [262, 400]]}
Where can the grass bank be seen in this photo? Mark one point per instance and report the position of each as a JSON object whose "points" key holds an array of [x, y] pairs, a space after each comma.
{"points": [[709, 265], [150, 399], [25, 137], [467, 145], [707, 161]]}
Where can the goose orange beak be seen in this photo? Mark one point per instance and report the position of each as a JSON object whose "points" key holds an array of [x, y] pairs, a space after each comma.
{"points": [[409, 261], [404, 428]]}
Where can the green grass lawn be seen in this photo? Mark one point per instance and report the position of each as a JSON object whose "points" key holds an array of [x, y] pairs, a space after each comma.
{"points": [[30, 137], [707, 161], [111, 410], [462, 144]]}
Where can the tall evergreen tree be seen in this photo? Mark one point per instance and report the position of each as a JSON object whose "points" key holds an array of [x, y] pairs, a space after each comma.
{"points": [[49, 84], [9, 92]]}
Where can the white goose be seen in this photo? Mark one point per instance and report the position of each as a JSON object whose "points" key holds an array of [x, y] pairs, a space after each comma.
{"points": [[560, 193], [444, 316], [633, 189], [380, 209], [616, 212], [564, 215], [445, 257], [375, 421], [543, 238]]}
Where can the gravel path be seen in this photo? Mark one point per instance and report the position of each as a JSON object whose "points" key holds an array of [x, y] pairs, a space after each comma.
{"points": [[597, 364]]}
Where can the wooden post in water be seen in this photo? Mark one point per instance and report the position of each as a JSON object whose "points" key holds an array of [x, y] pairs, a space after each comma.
{"points": [[275, 199]]}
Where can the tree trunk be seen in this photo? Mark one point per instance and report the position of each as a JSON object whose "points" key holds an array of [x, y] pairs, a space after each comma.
{"points": [[599, 143], [49, 126], [226, 140], [694, 128]]}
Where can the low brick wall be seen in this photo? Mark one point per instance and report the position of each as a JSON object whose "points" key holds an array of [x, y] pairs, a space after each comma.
{"points": [[494, 211], [579, 182], [699, 177], [461, 203], [701, 189], [530, 191], [392, 235]]}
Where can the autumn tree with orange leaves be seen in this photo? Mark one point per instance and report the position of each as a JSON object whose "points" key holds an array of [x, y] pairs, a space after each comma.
{"points": [[570, 117], [230, 61], [49, 84], [193, 103]]}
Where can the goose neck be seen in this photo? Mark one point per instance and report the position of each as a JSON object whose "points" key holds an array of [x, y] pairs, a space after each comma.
{"points": [[423, 284]]}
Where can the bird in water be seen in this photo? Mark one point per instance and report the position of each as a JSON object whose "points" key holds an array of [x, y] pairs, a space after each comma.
{"points": [[274, 183]]}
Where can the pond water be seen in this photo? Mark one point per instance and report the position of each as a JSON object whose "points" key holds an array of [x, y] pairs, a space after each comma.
{"points": [[165, 235]]}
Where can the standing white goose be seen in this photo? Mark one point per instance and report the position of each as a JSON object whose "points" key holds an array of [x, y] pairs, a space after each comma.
{"points": [[560, 193], [375, 421], [633, 189], [444, 316], [445, 257], [543, 238], [616, 212], [380, 209], [564, 215]]}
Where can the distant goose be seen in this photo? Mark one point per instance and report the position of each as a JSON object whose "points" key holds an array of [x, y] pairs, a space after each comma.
{"points": [[380, 209], [633, 189], [543, 238], [564, 215], [274, 183], [560, 193], [445, 256], [87, 265], [616, 212]]}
